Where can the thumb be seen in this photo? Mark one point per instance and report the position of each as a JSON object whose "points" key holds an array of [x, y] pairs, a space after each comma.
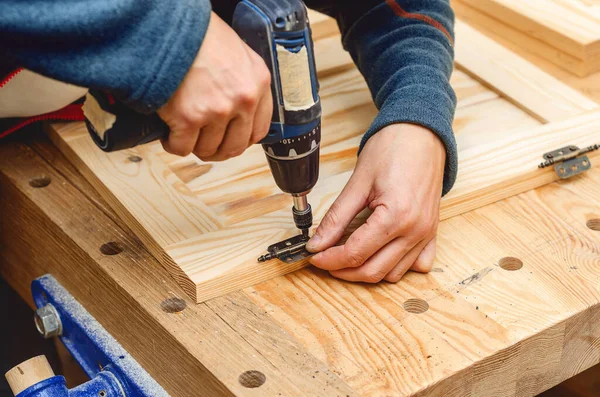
{"points": [[349, 203]]}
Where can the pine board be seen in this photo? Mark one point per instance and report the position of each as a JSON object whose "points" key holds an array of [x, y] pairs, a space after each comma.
{"points": [[567, 32], [487, 331], [207, 223]]}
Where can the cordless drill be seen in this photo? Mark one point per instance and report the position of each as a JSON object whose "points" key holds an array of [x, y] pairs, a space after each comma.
{"points": [[278, 31]]}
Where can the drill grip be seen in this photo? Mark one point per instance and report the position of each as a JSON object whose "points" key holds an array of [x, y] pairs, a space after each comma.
{"points": [[113, 126]]}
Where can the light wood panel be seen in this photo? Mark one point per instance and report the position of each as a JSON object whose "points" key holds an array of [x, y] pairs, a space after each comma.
{"points": [[541, 324], [187, 347], [487, 331], [525, 84], [207, 223], [567, 32], [522, 82]]}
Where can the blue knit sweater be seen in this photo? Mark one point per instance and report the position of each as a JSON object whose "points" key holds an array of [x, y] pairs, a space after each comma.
{"points": [[140, 50]]}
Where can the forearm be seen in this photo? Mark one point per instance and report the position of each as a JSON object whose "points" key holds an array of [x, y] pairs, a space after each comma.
{"points": [[404, 49], [139, 51]]}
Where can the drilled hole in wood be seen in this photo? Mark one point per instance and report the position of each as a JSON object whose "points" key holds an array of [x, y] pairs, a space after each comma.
{"points": [[511, 264], [40, 181], [594, 224], [252, 379], [173, 305], [134, 159], [415, 306], [111, 248]]}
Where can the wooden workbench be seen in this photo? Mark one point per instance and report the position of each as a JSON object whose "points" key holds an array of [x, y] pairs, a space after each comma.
{"points": [[511, 308]]}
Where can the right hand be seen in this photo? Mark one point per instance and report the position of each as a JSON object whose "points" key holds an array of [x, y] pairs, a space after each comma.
{"points": [[224, 103]]}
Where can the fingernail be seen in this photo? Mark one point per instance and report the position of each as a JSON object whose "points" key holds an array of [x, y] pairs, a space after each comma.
{"points": [[315, 258], [313, 243]]}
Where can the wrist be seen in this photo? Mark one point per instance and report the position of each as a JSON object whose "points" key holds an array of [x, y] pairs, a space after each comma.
{"points": [[411, 138]]}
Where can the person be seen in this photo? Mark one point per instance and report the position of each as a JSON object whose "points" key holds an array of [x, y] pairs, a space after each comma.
{"points": [[182, 59]]}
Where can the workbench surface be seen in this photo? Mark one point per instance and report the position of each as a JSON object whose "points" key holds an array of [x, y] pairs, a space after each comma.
{"points": [[511, 307]]}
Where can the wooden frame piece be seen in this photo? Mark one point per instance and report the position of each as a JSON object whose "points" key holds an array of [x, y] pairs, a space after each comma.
{"points": [[566, 32], [208, 231]]}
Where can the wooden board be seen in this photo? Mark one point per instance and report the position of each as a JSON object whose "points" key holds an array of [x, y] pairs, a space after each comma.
{"points": [[567, 32], [207, 223], [487, 332]]}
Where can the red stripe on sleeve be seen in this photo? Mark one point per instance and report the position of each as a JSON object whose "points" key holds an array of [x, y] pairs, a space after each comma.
{"points": [[421, 17]]}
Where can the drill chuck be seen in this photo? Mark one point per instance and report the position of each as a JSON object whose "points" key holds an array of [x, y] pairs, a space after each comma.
{"points": [[303, 218]]}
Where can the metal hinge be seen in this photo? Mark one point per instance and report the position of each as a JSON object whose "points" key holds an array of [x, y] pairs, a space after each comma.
{"points": [[569, 160]]}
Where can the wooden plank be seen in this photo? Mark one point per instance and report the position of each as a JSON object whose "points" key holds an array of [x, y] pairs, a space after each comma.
{"points": [[493, 171], [188, 348], [177, 237], [564, 31], [208, 222], [520, 81], [528, 86], [322, 25], [589, 85], [487, 331]]}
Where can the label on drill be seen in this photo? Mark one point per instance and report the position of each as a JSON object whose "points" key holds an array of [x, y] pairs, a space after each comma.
{"points": [[294, 72]]}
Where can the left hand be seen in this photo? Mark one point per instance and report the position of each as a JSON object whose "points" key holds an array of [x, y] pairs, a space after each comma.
{"points": [[399, 176]]}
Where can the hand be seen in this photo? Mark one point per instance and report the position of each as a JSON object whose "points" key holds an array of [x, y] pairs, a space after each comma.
{"points": [[399, 176], [224, 103]]}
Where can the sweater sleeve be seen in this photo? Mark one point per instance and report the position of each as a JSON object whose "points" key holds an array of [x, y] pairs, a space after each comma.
{"points": [[137, 50], [404, 49]]}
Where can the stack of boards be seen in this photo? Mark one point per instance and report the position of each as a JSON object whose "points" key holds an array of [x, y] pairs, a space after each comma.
{"points": [[208, 222], [565, 32]]}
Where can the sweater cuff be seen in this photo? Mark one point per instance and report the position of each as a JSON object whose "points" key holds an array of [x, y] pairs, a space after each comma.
{"points": [[177, 55], [418, 105]]}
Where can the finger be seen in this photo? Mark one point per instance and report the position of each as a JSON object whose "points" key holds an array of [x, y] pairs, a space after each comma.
{"points": [[379, 265], [262, 118], [405, 261], [209, 140], [181, 142], [236, 138], [425, 260], [350, 202], [365, 241]]}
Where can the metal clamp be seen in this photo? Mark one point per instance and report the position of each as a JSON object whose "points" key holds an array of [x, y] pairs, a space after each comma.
{"points": [[112, 371]]}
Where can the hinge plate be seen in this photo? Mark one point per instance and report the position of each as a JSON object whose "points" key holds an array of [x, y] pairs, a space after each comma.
{"points": [[290, 250], [569, 161], [572, 167]]}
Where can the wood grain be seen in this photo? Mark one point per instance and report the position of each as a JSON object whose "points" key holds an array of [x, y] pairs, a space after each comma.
{"points": [[208, 222], [566, 32], [522, 82], [526, 85], [58, 230], [488, 331]]}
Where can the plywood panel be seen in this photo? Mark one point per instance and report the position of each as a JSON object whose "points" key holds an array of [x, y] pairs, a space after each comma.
{"points": [[208, 222]]}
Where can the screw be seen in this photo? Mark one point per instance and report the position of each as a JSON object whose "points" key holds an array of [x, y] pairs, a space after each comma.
{"points": [[550, 156], [572, 148], [47, 321]]}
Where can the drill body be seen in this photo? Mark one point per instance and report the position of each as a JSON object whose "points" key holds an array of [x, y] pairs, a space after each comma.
{"points": [[279, 31]]}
